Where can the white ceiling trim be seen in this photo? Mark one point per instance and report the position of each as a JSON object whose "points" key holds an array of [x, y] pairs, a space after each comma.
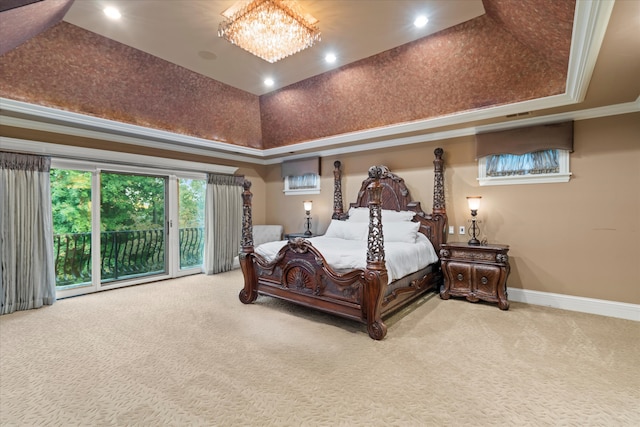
{"points": [[591, 19], [93, 155], [590, 23], [113, 137], [105, 155], [96, 127]]}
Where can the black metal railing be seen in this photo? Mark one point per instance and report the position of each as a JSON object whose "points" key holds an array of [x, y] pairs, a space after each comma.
{"points": [[191, 246], [123, 254]]}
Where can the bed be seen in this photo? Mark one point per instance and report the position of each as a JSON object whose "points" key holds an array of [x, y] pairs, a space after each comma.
{"points": [[298, 271]]}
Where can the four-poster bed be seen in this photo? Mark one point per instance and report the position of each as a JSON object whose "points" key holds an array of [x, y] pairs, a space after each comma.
{"points": [[299, 272]]}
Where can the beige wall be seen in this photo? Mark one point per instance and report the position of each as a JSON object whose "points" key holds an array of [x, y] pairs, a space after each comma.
{"points": [[578, 238]]}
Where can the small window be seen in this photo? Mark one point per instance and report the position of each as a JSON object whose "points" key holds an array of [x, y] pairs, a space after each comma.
{"points": [[530, 168], [303, 184]]}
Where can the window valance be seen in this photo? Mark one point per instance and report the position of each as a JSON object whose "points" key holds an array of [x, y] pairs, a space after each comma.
{"points": [[223, 179], [24, 162], [526, 140], [300, 167]]}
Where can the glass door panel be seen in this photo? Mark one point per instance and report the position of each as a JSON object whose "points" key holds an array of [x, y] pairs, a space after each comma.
{"points": [[191, 221], [71, 212], [132, 226]]}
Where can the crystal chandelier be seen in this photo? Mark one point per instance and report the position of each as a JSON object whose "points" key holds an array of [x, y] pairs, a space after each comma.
{"points": [[269, 29]]}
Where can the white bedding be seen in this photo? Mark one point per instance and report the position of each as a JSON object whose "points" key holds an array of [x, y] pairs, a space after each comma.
{"points": [[401, 258]]}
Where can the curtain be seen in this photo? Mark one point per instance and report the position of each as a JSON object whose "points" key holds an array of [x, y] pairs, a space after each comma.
{"points": [[223, 222], [545, 161], [26, 233], [303, 181]]}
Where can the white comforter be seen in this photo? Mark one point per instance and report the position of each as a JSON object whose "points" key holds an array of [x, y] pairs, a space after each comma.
{"points": [[401, 258]]}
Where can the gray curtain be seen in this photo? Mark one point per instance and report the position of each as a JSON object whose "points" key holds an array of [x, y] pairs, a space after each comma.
{"points": [[26, 233], [223, 222]]}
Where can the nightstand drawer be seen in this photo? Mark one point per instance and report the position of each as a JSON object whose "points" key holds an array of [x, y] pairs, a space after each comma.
{"points": [[472, 255], [459, 275], [486, 279]]}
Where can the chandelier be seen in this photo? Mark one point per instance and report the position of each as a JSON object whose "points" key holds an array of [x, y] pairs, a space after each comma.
{"points": [[269, 29]]}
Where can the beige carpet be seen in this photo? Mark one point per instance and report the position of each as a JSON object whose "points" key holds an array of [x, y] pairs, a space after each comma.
{"points": [[187, 352]]}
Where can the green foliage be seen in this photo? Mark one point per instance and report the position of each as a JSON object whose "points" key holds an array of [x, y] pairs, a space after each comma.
{"points": [[192, 199], [128, 202], [131, 202], [71, 201]]}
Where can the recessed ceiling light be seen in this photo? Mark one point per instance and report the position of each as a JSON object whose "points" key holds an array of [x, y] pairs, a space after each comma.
{"points": [[268, 82], [421, 21], [112, 12], [330, 58]]}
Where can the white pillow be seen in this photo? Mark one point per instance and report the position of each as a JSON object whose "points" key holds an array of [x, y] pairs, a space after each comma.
{"points": [[404, 231], [347, 230], [358, 215], [362, 215]]}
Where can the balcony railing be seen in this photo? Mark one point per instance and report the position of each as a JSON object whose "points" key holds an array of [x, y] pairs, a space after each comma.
{"points": [[123, 254]]}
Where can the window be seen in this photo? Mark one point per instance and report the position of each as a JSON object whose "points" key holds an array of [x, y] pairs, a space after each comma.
{"points": [[542, 166], [526, 155], [115, 225], [191, 208], [301, 176], [304, 184]]}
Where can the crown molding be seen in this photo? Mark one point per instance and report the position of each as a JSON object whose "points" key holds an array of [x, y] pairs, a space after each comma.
{"points": [[591, 19], [73, 152], [590, 23], [92, 155]]}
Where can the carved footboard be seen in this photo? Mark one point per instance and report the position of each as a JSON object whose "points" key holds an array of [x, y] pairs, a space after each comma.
{"points": [[301, 270]]}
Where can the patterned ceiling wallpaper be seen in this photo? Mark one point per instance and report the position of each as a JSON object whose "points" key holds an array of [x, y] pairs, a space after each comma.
{"points": [[72, 69], [517, 51]]}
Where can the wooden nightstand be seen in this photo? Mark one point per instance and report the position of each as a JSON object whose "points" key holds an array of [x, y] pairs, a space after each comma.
{"points": [[475, 272]]}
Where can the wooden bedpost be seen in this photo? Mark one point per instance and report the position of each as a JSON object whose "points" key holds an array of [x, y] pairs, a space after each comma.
{"points": [[338, 212], [439, 211], [438, 183], [248, 294], [247, 221], [376, 271]]}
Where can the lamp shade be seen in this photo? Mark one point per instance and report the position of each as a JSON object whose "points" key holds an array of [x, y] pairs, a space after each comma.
{"points": [[307, 205], [474, 202]]}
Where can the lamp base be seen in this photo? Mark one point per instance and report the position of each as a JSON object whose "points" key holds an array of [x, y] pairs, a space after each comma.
{"points": [[307, 231], [474, 242]]}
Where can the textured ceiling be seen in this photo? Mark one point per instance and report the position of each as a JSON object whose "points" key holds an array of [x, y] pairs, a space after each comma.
{"points": [[185, 33]]}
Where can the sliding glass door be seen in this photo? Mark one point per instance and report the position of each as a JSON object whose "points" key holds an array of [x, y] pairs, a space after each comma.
{"points": [[116, 228], [71, 211], [132, 226], [191, 222]]}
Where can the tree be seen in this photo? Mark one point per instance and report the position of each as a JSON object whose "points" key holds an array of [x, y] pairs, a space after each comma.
{"points": [[131, 202], [192, 199], [71, 201]]}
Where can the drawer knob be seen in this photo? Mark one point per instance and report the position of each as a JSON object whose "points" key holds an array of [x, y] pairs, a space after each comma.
{"points": [[484, 280], [460, 277]]}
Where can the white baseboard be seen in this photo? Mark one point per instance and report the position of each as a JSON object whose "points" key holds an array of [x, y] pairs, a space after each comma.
{"points": [[620, 310]]}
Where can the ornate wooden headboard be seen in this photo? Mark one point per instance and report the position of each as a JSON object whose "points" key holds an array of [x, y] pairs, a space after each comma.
{"points": [[395, 196]]}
